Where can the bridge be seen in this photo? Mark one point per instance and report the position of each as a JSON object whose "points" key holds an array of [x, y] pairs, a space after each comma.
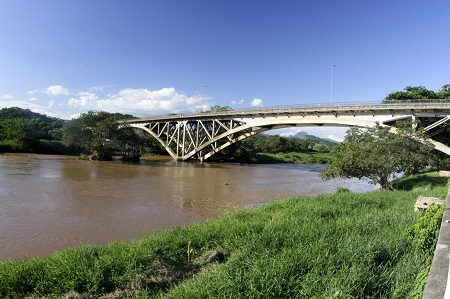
{"points": [[201, 135]]}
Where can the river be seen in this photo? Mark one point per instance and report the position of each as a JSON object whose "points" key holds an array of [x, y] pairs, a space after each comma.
{"points": [[52, 202]]}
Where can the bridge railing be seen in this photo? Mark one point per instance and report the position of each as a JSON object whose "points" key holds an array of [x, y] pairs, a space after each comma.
{"points": [[330, 106]]}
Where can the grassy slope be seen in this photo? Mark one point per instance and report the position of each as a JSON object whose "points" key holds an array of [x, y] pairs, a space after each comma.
{"points": [[343, 245]]}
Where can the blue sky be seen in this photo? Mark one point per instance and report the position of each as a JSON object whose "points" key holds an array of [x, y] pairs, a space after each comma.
{"points": [[66, 57]]}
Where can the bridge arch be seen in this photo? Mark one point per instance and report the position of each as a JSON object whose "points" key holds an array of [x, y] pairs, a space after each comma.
{"points": [[200, 136]]}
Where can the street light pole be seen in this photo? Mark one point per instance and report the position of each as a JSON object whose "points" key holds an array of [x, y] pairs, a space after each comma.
{"points": [[332, 66], [203, 95]]}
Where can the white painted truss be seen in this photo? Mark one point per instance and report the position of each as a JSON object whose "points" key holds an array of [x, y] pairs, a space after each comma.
{"points": [[199, 136]]}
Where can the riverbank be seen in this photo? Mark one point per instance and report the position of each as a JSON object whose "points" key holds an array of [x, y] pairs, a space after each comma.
{"points": [[294, 157], [342, 245], [266, 158]]}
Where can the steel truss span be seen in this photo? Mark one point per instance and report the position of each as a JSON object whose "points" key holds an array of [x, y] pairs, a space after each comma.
{"points": [[201, 135]]}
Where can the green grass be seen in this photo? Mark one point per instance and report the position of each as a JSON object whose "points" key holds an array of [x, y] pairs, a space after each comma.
{"points": [[343, 245]]}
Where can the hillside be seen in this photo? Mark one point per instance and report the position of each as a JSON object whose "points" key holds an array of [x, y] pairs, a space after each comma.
{"points": [[16, 112], [324, 141]]}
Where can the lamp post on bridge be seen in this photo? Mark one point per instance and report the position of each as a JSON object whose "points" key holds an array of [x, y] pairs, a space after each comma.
{"points": [[332, 66], [203, 95]]}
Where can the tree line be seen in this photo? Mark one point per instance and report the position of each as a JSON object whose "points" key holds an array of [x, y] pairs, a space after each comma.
{"points": [[96, 134], [247, 150]]}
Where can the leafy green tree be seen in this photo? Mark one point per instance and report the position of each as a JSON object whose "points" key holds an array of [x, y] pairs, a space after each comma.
{"points": [[410, 93], [244, 151], [13, 129], [13, 133], [418, 93], [444, 92], [274, 144], [95, 131], [377, 154], [320, 148], [139, 142], [21, 133], [217, 108]]}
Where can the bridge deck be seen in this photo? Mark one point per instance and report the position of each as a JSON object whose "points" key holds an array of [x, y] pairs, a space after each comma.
{"points": [[326, 108], [201, 135]]}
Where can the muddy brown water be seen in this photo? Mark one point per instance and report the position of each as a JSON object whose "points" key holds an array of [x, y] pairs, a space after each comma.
{"points": [[52, 202]]}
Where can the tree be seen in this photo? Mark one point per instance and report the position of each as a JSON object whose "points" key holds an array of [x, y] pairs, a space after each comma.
{"points": [[95, 131], [139, 142], [217, 108], [377, 154], [418, 93], [244, 151], [17, 132], [444, 92]]}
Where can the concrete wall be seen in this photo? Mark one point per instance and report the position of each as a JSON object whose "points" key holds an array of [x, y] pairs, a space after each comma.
{"points": [[438, 279]]}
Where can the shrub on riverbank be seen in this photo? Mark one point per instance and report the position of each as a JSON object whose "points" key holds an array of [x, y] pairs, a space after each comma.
{"points": [[343, 245], [48, 147]]}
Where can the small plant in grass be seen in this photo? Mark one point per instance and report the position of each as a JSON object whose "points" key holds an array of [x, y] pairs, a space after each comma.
{"points": [[342, 190]]}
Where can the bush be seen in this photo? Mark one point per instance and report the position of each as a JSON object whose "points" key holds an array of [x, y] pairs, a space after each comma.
{"points": [[424, 234]]}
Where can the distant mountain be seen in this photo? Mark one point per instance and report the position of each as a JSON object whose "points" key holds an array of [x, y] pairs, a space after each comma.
{"points": [[301, 135], [315, 139]]}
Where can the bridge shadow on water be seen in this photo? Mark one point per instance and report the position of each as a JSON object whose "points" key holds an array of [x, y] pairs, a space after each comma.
{"points": [[410, 183]]}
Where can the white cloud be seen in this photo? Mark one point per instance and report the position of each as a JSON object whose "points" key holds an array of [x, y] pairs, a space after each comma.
{"points": [[32, 92], [85, 99], [6, 97], [96, 88], [338, 139], [34, 105], [139, 102], [56, 90], [257, 103], [240, 102]]}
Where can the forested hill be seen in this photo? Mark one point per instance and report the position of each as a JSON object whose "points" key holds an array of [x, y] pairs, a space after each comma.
{"points": [[22, 130], [16, 112]]}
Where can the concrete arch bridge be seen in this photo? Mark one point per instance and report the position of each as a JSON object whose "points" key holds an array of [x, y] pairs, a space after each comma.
{"points": [[201, 135]]}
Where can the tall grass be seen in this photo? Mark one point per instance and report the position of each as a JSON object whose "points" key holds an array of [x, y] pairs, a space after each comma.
{"points": [[342, 245]]}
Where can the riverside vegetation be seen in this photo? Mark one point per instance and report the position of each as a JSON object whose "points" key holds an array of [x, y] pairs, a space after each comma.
{"points": [[342, 245], [95, 135]]}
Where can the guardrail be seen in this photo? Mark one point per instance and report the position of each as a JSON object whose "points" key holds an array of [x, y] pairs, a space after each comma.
{"points": [[336, 106]]}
